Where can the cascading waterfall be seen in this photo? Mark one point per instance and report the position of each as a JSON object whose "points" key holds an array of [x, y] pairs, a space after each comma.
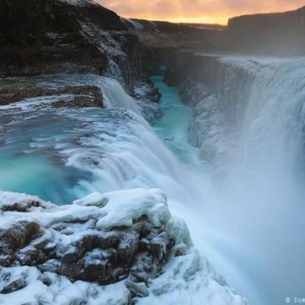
{"points": [[256, 142], [115, 96]]}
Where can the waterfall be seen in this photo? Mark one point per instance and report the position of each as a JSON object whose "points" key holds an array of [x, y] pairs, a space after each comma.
{"points": [[115, 96], [121, 151], [252, 130]]}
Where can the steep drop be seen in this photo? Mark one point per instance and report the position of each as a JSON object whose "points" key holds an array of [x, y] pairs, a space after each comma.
{"points": [[250, 126]]}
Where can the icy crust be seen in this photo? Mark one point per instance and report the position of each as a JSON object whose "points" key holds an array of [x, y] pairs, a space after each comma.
{"points": [[122, 207], [121, 247], [190, 279]]}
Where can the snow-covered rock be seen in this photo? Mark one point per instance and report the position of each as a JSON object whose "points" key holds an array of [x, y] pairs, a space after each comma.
{"points": [[121, 247]]}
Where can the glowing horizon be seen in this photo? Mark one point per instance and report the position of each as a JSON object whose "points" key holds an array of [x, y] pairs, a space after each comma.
{"points": [[200, 11]]}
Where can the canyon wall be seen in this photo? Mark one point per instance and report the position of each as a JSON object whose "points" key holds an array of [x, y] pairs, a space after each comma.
{"points": [[270, 34], [43, 37]]}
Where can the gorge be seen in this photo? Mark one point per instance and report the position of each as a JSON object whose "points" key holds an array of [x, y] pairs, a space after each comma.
{"points": [[125, 172]]}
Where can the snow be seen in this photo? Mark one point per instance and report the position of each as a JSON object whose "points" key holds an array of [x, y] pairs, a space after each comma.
{"points": [[189, 279], [125, 206], [9, 198], [186, 279], [121, 208], [61, 290]]}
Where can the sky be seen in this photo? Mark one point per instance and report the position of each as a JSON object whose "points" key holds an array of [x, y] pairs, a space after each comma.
{"points": [[197, 11]]}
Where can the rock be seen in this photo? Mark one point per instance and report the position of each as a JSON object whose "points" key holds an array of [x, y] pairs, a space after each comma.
{"points": [[75, 258], [51, 37], [14, 285], [280, 34], [23, 206], [79, 96], [5, 260], [103, 241], [82, 250], [45, 37], [128, 245], [27, 256], [51, 265], [18, 236], [157, 246]]}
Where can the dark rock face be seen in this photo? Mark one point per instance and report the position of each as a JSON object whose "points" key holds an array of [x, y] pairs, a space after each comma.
{"points": [[270, 34], [200, 76], [45, 37], [188, 67], [162, 40]]}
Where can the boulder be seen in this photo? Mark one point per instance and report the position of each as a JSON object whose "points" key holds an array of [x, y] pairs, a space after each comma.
{"points": [[135, 246]]}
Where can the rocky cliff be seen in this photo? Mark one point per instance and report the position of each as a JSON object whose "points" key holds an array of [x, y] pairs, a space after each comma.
{"points": [[162, 40], [273, 34], [42, 37]]}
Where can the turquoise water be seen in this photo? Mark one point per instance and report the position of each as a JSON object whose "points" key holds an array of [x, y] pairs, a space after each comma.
{"points": [[172, 128], [256, 246], [29, 162], [231, 256]]}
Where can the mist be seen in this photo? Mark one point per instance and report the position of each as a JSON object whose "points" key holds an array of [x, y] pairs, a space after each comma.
{"points": [[254, 209]]}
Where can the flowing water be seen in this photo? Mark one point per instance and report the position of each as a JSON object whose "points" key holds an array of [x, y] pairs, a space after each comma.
{"points": [[64, 154]]}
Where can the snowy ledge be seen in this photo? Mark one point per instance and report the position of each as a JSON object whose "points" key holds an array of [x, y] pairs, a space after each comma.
{"points": [[122, 247]]}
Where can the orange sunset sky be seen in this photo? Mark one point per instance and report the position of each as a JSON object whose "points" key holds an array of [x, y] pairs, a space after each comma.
{"points": [[197, 11]]}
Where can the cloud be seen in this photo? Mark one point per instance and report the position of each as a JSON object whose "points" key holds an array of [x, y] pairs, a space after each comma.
{"points": [[196, 10]]}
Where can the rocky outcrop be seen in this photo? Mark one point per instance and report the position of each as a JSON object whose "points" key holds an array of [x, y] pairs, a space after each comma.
{"points": [[162, 40], [69, 96], [122, 248], [46, 37], [80, 243]]}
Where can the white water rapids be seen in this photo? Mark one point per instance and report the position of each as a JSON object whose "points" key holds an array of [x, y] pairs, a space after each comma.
{"points": [[249, 224]]}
